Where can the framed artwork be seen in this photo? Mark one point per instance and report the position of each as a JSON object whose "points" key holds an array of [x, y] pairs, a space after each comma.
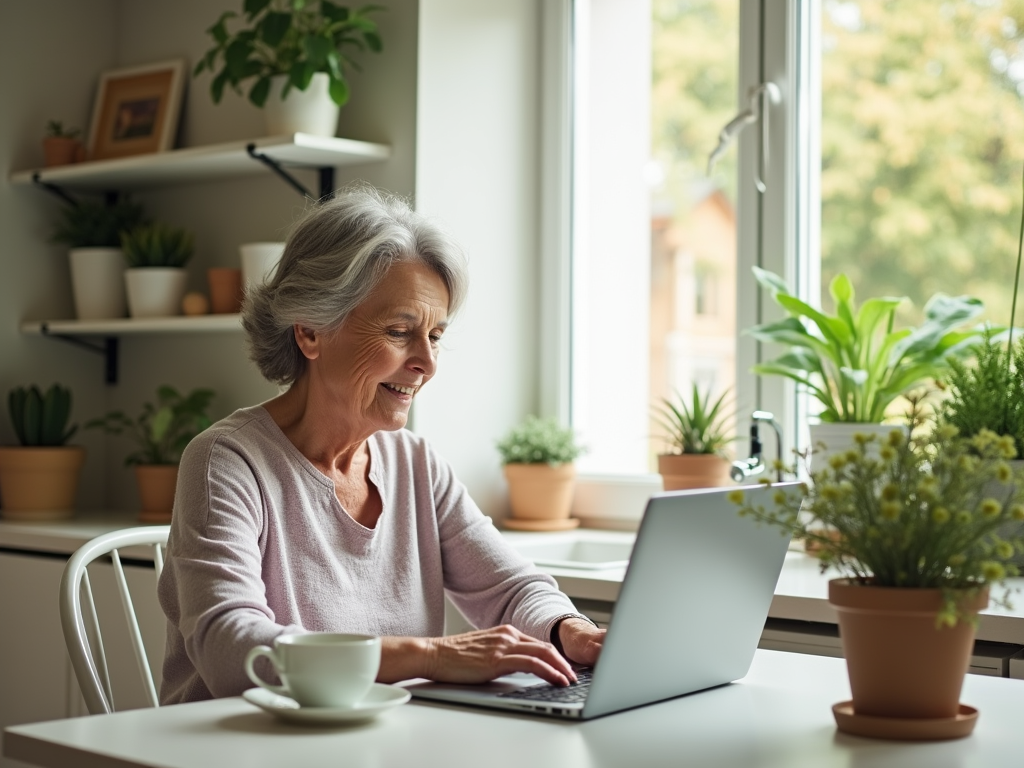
{"points": [[136, 110]]}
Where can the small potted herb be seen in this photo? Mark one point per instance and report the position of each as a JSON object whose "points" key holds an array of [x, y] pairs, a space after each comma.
{"points": [[92, 231], [538, 457], [61, 145], [698, 432], [296, 54], [919, 540], [39, 478], [156, 255], [160, 432]]}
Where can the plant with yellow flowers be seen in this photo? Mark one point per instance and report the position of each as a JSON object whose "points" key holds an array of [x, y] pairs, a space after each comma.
{"points": [[924, 509]]}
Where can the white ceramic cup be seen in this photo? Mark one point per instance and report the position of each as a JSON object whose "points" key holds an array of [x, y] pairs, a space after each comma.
{"points": [[258, 262], [320, 669]]}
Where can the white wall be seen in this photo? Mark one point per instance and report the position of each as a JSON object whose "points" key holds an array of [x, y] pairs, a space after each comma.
{"points": [[455, 94], [477, 155], [93, 35]]}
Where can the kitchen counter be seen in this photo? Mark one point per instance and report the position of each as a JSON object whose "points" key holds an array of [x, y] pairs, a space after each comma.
{"points": [[801, 594]]}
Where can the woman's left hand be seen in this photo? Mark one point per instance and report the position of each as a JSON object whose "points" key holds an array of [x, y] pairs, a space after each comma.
{"points": [[581, 641]]}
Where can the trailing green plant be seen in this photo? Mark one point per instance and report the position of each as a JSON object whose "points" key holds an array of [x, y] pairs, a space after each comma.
{"points": [[539, 441], [55, 129], [296, 38], [41, 419], [854, 362], [696, 425], [157, 245], [94, 224], [162, 430], [985, 394], [915, 511]]}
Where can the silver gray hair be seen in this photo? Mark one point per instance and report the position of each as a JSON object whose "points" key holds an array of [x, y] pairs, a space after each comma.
{"points": [[336, 255]]}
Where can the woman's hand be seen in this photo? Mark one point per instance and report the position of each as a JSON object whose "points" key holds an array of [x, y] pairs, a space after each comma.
{"points": [[480, 656], [581, 641]]}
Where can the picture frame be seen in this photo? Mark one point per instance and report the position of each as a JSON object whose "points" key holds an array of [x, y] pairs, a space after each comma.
{"points": [[136, 110]]}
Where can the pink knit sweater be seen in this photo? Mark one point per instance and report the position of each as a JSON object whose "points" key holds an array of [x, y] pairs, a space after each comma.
{"points": [[260, 546]]}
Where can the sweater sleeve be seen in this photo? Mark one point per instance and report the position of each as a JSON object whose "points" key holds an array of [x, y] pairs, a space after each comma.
{"points": [[211, 588], [484, 576]]}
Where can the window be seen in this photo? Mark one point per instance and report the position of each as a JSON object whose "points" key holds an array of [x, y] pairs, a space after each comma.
{"points": [[893, 155]]}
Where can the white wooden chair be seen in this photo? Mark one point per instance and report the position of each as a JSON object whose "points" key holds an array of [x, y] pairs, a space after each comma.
{"points": [[80, 621]]}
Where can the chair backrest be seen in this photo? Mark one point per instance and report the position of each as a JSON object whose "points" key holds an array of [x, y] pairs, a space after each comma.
{"points": [[80, 622]]}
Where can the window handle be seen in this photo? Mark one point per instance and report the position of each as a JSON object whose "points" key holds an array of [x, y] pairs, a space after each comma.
{"points": [[760, 97]]}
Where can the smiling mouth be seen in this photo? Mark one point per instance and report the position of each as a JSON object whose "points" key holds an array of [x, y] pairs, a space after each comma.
{"points": [[399, 389]]}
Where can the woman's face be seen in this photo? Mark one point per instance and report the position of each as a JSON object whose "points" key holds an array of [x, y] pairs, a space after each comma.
{"points": [[370, 369]]}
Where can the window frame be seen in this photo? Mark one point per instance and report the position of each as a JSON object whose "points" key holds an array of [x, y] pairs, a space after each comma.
{"points": [[770, 233]]}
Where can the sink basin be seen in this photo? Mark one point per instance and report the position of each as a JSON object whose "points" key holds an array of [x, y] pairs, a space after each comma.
{"points": [[580, 553]]}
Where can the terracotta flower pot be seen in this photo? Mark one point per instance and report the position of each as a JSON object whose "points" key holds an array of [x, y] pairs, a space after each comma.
{"points": [[901, 665], [156, 491], [225, 290], [39, 483], [540, 491], [62, 150], [690, 470]]}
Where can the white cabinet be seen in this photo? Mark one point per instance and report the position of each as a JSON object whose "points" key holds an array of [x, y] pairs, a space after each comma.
{"points": [[36, 679]]}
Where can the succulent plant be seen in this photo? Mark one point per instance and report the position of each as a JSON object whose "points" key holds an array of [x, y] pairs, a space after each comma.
{"points": [[157, 245], [41, 419]]}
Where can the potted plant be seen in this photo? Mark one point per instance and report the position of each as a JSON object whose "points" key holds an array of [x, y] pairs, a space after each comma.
{"points": [[854, 362], [920, 542], [161, 432], [537, 457], [296, 52], [38, 480], [92, 230], [697, 431], [61, 145], [155, 278]]}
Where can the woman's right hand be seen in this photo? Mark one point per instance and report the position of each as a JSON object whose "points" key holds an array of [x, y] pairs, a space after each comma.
{"points": [[475, 657]]}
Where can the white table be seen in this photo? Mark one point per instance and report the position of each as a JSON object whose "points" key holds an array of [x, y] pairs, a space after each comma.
{"points": [[779, 716]]}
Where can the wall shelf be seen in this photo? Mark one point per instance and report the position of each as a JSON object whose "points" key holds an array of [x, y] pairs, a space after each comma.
{"points": [[217, 161], [127, 326], [110, 331]]}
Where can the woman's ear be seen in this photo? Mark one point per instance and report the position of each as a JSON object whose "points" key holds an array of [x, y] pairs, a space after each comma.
{"points": [[308, 341]]}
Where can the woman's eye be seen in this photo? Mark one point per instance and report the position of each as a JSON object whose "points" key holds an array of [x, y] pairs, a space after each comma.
{"points": [[397, 334], [435, 338]]}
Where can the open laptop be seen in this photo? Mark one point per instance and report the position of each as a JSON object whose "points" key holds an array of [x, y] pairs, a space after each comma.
{"points": [[689, 614]]}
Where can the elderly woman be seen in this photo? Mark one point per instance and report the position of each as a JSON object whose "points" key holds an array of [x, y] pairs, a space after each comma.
{"points": [[318, 511]]}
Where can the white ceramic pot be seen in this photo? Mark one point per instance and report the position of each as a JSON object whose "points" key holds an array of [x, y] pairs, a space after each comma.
{"points": [[308, 111], [97, 282], [827, 439], [258, 262], [155, 291]]}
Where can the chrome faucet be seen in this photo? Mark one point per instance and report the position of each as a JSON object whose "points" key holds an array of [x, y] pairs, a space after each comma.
{"points": [[741, 470]]}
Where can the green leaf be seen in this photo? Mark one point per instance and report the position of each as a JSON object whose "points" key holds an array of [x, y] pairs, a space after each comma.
{"points": [[259, 92], [771, 281], [274, 27], [235, 57], [254, 7], [334, 65], [339, 91], [317, 48], [832, 329], [219, 30], [161, 423], [373, 41], [332, 12], [301, 75]]}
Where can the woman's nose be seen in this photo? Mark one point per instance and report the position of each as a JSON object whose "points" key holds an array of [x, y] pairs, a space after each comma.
{"points": [[423, 359]]}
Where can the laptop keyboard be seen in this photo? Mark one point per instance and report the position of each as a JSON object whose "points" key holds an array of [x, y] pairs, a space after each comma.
{"points": [[570, 694]]}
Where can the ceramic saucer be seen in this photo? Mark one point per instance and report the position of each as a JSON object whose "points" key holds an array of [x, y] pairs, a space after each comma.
{"points": [[906, 729], [542, 525], [380, 698]]}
